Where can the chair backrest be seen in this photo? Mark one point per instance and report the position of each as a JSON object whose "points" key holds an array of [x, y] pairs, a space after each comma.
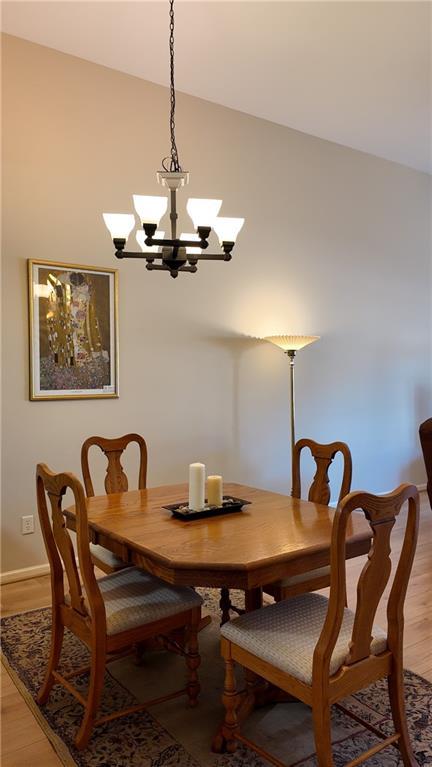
{"points": [[381, 513], [116, 480], [319, 491], [425, 433], [59, 546]]}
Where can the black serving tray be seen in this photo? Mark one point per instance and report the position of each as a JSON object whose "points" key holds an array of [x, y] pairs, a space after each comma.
{"points": [[229, 506]]}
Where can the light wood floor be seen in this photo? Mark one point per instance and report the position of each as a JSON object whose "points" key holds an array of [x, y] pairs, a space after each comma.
{"points": [[24, 743]]}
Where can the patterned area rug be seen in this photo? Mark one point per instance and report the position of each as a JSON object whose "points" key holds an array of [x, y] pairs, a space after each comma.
{"points": [[173, 735]]}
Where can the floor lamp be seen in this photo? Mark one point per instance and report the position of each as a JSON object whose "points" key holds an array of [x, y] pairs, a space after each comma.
{"points": [[291, 345]]}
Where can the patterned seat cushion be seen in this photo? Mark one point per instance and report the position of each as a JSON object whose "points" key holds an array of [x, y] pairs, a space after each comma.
{"points": [[285, 634], [134, 598], [107, 557]]}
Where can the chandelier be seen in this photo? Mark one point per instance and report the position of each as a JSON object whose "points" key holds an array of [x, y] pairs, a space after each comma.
{"points": [[179, 253]]}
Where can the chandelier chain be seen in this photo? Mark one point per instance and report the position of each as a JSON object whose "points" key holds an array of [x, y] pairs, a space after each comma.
{"points": [[174, 165]]}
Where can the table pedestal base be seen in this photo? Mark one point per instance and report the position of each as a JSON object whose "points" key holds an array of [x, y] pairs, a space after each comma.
{"points": [[257, 693]]}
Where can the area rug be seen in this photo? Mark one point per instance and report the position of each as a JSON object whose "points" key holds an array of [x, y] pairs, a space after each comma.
{"points": [[171, 735]]}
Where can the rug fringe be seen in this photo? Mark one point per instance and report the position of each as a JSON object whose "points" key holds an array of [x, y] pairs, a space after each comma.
{"points": [[58, 745]]}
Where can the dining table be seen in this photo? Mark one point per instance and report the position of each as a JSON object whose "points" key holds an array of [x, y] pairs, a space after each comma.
{"points": [[274, 536]]}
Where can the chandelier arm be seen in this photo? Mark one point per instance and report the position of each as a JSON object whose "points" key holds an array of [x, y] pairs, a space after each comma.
{"points": [[164, 268], [208, 257], [159, 257], [147, 257], [176, 243], [130, 254], [158, 267]]}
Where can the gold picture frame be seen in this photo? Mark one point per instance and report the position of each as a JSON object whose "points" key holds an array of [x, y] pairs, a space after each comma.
{"points": [[73, 331]]}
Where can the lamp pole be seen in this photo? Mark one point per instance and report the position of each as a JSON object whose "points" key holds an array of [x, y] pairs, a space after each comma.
{"points": [[291, 354]]}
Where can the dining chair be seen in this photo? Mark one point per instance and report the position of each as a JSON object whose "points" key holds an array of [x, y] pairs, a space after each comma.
{"points": [[116, 481], [425, 433], [318, 650], [110, 615], [319, 492]]}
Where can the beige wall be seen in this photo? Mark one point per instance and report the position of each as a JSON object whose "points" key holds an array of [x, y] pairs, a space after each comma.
{"points": [[336, 242]]}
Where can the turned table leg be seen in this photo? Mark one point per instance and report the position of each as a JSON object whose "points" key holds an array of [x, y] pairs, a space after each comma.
{"points": [[253, 601], [244, 701], [225, 605]]}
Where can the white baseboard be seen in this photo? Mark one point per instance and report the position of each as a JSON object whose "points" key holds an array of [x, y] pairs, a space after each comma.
{"points": [[24, 573], [34, 572]]}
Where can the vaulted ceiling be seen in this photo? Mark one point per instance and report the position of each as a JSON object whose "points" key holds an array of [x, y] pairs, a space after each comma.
{"points": [[357, 73]]}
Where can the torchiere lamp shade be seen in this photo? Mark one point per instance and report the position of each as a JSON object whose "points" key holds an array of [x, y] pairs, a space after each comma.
{"points": [[291, 343]]}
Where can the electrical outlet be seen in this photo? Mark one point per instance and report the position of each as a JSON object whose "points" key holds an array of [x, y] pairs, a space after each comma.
{"points": [[27, 525]]}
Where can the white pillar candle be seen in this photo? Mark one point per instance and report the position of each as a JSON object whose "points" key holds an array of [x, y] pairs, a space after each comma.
{"points": [[214, 490], [196, 486]]}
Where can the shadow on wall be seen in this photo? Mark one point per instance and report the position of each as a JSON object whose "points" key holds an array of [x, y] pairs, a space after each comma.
{"points": [[236, 346]]}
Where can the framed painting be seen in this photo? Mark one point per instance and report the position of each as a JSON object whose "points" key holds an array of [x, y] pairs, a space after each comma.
{"points": [[73, 331]]}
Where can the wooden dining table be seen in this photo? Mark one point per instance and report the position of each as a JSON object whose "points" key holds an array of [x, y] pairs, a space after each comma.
{"points": [[274, 537]]}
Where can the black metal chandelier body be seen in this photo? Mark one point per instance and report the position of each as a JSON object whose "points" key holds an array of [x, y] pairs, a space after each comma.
{"points": [[174, 257], [176, 254]]}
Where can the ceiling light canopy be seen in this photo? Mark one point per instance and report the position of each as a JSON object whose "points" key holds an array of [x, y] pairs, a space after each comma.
{"points": [[177, 254]]}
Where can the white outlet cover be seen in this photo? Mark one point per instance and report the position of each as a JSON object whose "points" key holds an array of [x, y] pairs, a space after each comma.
{"points": [[27, 524]]}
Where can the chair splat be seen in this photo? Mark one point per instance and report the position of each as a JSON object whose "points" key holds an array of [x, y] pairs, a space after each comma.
{"points": [[370, 588], [65, 548], [323, 455], [116, 480]]}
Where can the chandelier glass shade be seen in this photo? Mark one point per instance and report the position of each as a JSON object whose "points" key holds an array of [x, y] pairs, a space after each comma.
{"points": [[150, 208], [176, 253], [119, 225], [203, 212]]}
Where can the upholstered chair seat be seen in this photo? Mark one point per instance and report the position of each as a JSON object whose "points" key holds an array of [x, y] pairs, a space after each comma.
{"points": [[285, 634], [101, 555], [133, 598]]}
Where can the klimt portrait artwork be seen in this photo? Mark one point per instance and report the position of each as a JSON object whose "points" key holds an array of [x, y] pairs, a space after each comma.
{"points": [[73, 331]]}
